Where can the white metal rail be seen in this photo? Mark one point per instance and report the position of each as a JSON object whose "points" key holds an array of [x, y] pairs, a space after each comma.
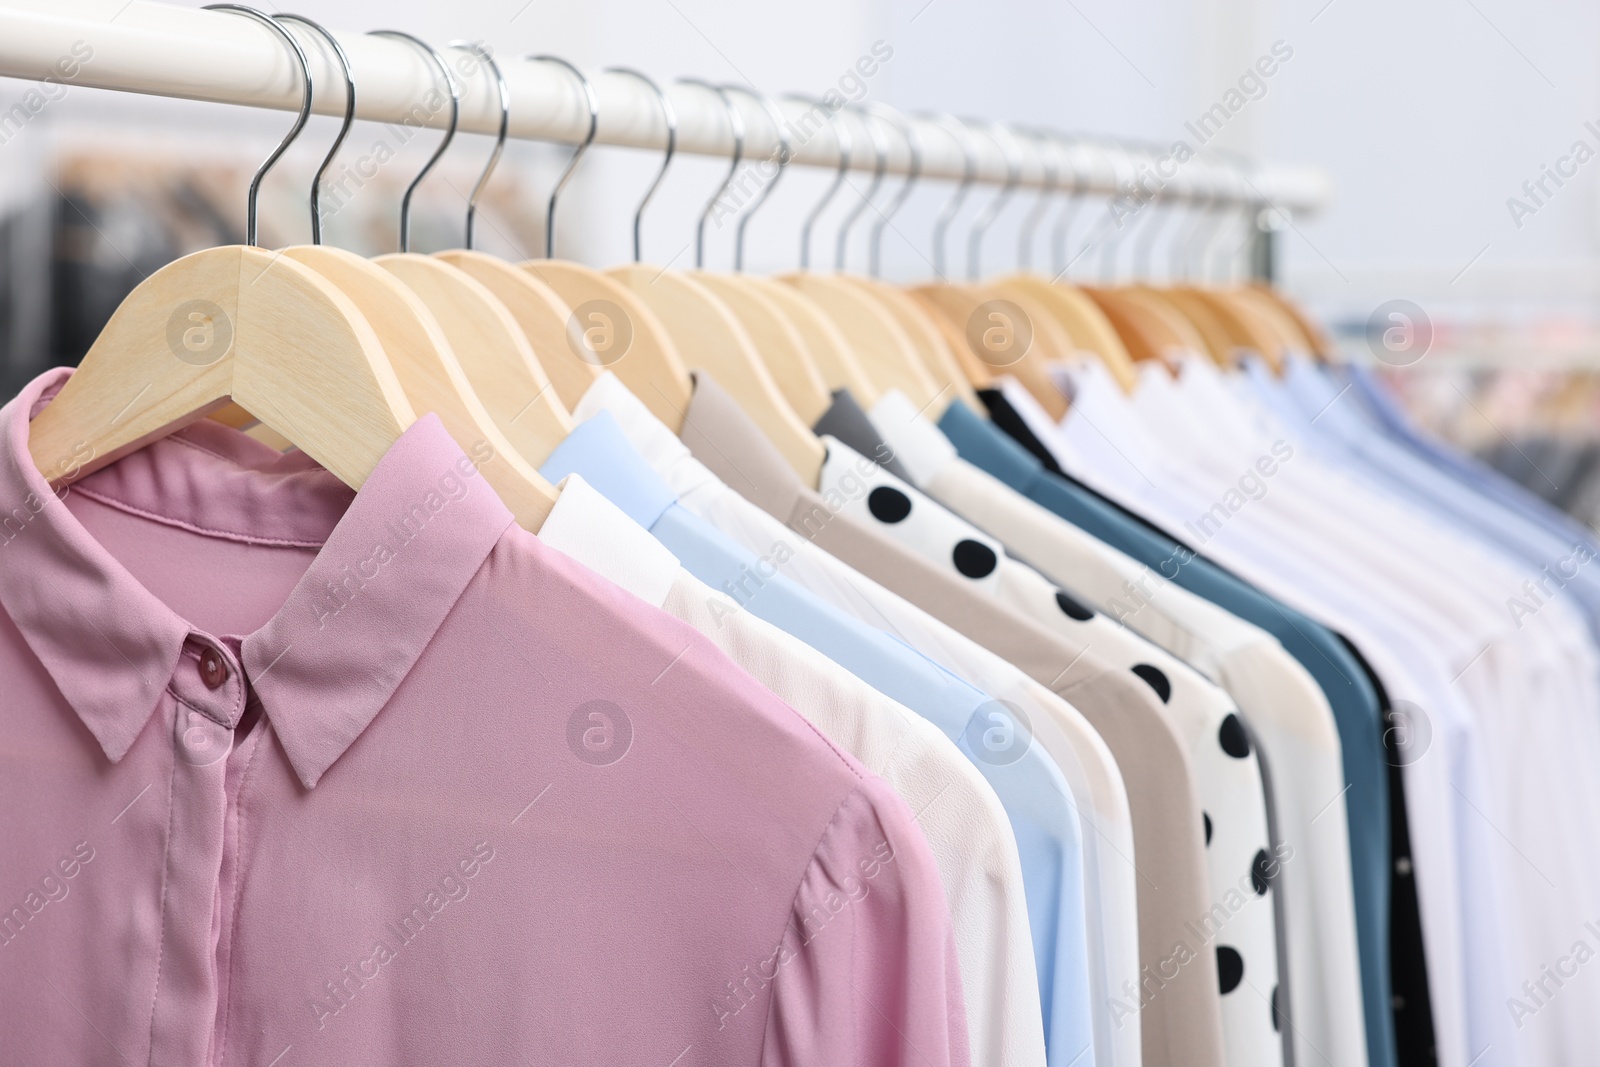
{"points": [[160, 50]]}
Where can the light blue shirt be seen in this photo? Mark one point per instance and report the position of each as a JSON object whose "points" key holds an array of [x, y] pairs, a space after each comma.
{"points": [[1037, 799]]}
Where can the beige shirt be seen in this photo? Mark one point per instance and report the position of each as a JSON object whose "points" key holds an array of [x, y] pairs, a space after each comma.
{"points": [[962, 818], [1181, 1016]]}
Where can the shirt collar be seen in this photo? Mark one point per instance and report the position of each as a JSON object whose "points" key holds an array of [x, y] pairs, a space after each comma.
{"points": [[724, 438], [597, 533], [599, 450], [650, 437], [913, 436], [399, 554]]}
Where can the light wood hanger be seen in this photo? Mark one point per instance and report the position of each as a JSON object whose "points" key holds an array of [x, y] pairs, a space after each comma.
{"points": [[491, 348], [703, 325], [1199, 317], [779, 342], [429, 373], [1313, 333], [1285, 325], [1087, 328], [832, 351], [611, 328], [233, 323], [782, 349], [541, 315]]}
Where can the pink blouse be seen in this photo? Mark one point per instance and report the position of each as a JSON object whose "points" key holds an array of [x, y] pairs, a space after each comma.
{"points": [[295, 775]]}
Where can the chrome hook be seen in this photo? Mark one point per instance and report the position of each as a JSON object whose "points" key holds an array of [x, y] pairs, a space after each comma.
{"points": [[481, 52], [845, 142], [880, 163], [670, 117], [736, 127], [913, 172], [984, 219], [969, 174], [349, 116], [299, 122], [449, 134], [577, 156], [783, 156]]}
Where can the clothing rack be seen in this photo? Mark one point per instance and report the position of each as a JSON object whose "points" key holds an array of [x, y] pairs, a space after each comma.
{"points": [[160, 50]]}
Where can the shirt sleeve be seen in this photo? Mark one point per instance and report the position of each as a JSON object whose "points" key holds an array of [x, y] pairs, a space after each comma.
{"points": [[866, 971]]}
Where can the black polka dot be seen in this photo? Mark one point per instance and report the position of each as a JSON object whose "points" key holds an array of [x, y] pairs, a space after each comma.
{"points": [[1156, 679], [1277, 1013], [1261, 872], [1207, 818], [974, 559], [1071, 608], [1230, 968], [1232, 737], [888, 504]]}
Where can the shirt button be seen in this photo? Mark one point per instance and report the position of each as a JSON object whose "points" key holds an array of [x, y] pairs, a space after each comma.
{"points": [[213, 672]]}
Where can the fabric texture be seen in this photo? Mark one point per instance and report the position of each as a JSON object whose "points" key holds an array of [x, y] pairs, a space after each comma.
{"points": [[340, 776]]}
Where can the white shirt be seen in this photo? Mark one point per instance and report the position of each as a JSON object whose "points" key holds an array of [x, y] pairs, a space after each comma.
{"points": [[958, 812], [1426, 607]]}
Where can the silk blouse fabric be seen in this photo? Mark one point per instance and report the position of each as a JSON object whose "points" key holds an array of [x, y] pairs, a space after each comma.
{"points": [[291, 771]]}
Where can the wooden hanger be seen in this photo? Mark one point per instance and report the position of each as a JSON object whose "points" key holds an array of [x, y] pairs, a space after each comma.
{"points": [[232, 323], [540, 314], [488, 343], [883, 349], [611, 328], [417, 348], [780, 347], [1315, 336], [1085, 324], [1200, 318], [701, 324], [1285, 325], [779, 342], [831, 350]]}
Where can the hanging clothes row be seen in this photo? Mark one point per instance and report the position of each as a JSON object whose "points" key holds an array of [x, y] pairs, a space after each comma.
{"points": [[432, 658]]}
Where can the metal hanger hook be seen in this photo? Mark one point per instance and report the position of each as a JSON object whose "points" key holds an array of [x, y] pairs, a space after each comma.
{"points": [[782, 158], [1050, 174], [299, 122], [736, 127], [670, 117], [344, 129], [984, 219], [481, 53], [969, 174], [449, 134], [1059, 263], [842, 137], [577, 156], [907, 131], [880, 164]]}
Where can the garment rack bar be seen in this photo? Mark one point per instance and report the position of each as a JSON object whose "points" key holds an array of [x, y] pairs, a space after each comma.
{"points": [[157, 49]]}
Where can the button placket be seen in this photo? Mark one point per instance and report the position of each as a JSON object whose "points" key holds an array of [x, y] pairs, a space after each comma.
{"points": [[208, 694]]}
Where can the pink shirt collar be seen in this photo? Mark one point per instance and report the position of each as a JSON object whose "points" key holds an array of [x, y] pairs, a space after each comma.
{"points": [[329, 659]]}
